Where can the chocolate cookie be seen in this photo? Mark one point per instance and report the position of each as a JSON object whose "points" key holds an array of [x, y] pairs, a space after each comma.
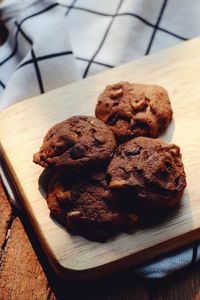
{"points": [[132, 110], [85, 205], [151, 170], [77, 142]]}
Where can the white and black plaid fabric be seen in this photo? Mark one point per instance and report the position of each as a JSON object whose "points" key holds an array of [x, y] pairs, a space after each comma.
{"points": [[51, 44]]}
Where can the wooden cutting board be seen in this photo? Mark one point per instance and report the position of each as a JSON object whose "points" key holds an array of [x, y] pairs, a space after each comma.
{"points": [[22, 127]]}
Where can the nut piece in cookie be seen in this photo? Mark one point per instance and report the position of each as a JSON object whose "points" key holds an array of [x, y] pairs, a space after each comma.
{"points": [[132, 110], [77, 142], [150, 169], [84, 205]]}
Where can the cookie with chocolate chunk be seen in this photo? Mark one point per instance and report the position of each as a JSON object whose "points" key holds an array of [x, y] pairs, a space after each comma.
{"points": [[132, 110], [86, 205], [77, 142], [150, 169]]}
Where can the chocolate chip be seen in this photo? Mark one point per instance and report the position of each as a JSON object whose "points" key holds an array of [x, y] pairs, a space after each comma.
{"points": [[177, 180], [60, 147], [168, 165], [163, 173], [93, 130], [77, 151], [140, 126], [116, 117], [132, 153], [113, 119], [98, 141]]}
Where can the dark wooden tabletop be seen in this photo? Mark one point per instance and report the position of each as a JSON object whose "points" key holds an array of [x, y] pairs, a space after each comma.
{"points": [[26, 274]]}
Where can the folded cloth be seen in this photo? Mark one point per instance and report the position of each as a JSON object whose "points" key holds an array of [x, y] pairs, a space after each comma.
{"points": [[37, 56], [169, 263], [51, 44]]}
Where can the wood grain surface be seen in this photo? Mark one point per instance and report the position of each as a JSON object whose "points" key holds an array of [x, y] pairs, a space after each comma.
{"points": [[21, 275], [21, 132]]}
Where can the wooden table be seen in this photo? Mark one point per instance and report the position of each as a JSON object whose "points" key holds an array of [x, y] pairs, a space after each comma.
{"points": [[26, 274]]}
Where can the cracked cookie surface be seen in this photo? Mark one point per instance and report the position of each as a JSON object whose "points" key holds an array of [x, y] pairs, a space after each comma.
{"points": [[77, 142], [85, 205], [132, 110], [151, 169]]}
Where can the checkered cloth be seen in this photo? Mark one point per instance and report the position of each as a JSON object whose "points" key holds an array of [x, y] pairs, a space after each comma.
{"points": [[51, 44]]}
